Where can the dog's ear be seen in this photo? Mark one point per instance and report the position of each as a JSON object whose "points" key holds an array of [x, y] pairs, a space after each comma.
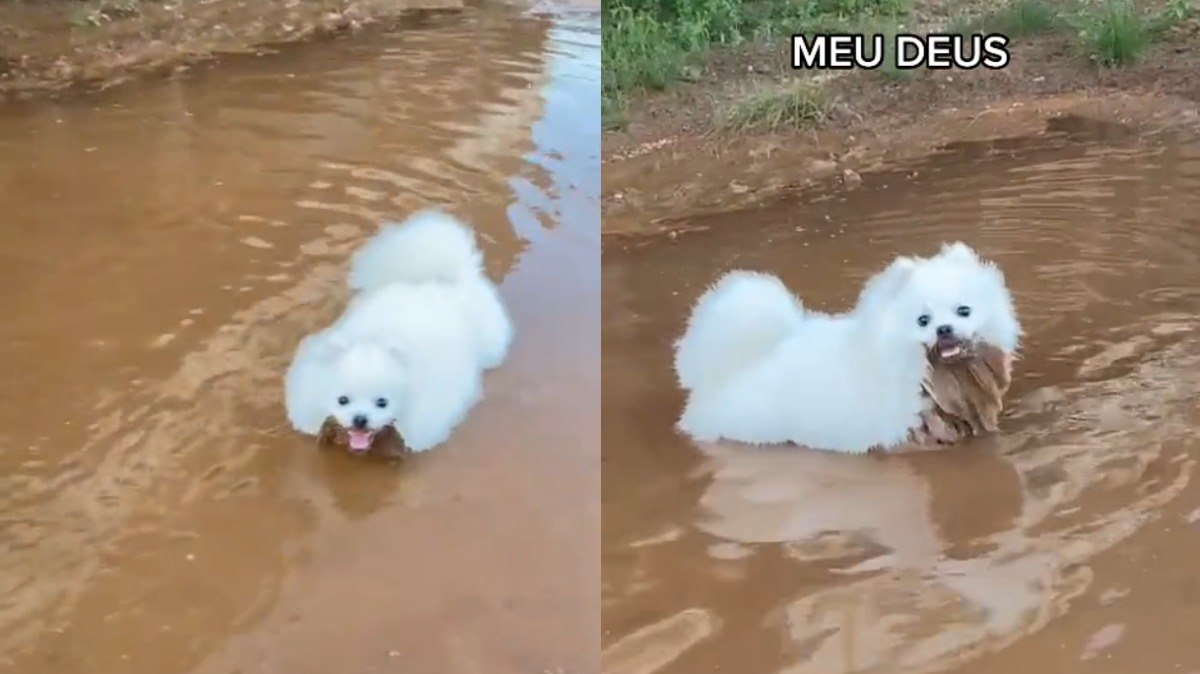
{"points": [[327, 347], [959, 251], [887, 284], [902, 265], [896, 275]]}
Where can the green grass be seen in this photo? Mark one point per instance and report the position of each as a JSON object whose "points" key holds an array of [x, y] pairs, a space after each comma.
{"points": [[888, 68], [791, 106], [1111, 32], [1117, 34], [649, 55], [648, 44], [1027, 17], [1020, 18], [1175, 12], [92, 15], [611, 116]]}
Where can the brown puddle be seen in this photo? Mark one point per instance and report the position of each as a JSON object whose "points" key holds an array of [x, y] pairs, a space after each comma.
{"points": [[1068, 543], [166, 246]]}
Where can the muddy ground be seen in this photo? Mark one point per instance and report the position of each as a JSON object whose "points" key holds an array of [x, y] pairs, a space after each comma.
{"points": [[61, 44], [68, 45], [670, 159]]}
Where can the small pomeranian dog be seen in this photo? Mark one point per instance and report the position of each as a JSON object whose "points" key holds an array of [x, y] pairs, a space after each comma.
{"points": [[409, 352], [759, 368]]}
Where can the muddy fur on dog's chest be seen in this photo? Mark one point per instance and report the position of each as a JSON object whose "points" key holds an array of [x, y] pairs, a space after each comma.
{"points": [[387, 441], [965, 397]]}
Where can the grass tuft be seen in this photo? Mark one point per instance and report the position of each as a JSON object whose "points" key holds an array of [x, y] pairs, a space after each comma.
{"points": [[648, 57], [791, 106], [1117, 34], [1174, 13], [1028, 17], [1020, 18], [612, 117], [889, 67]]}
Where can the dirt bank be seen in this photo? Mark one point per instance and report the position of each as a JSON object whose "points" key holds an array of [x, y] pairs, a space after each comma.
{"points": [[64, 45], [670, 159], [59, 44]]}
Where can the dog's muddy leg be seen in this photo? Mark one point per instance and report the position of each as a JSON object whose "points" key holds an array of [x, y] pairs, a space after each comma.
{"points": [[391, 444], [327, 435]]}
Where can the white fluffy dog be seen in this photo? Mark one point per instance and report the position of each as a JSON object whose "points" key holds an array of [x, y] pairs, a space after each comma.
{"points": [[759, 368], [410, 350]]}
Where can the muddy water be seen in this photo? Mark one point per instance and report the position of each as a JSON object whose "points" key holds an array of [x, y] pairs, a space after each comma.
{"points": [[164, 249], [1068, 543]]}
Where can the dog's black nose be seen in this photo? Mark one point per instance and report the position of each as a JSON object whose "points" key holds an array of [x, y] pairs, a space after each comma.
{"points": [[945, 330], [359, 421]]}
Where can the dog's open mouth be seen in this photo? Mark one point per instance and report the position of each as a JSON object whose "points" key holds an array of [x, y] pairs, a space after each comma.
{"points": [[951, 348], [359, 441]]}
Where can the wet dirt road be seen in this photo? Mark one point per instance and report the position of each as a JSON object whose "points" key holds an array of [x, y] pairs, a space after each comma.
{"points": [[1068, 544], [165, 247]]}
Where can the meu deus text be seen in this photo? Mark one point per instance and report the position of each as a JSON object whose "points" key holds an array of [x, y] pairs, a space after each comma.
{"points": [[842, 52]]}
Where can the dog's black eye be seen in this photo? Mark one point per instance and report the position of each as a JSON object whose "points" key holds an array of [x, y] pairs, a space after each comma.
{"points": [[343, 400], [923, 320], [963, 311], [381, 403]]}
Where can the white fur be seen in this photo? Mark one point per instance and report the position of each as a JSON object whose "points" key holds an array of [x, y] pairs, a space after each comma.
{"points": [[422, 327], [759, 368]]}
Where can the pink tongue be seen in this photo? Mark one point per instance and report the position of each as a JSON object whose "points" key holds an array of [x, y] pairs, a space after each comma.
{"points": [[360, 441]]}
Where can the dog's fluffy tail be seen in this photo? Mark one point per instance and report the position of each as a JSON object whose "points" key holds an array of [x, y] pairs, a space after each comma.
{"points": [[739, 320], [428, 246]]}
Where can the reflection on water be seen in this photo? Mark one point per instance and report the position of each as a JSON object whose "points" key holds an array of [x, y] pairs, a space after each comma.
{"points": [[167, 245], [783, 560]]}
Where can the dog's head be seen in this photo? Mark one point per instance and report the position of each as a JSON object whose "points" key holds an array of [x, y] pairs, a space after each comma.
{"points": [[365, 391], [948, 303]]}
